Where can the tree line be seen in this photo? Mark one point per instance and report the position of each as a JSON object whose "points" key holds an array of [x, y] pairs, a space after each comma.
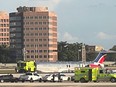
{"points": [[66, 52]]}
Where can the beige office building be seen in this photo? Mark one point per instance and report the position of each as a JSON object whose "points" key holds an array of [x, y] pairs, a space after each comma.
{"points": [[4, 28], [33, 34]]}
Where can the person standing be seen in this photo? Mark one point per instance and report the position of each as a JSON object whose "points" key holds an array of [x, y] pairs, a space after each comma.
{"points": [[53, 77], [59, 77]]}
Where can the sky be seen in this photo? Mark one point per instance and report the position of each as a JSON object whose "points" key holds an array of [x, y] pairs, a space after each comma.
{"points": [[92, 22]]}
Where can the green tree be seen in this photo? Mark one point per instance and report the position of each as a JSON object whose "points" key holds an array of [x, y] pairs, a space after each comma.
{"points": [[5, 54], [69, 52]]}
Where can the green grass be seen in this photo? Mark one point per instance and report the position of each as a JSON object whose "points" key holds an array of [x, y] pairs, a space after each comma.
{"points": [[7, 71]]}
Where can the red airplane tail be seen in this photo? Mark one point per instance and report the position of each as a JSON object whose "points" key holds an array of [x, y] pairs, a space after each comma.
{"points": [[98, 62]]}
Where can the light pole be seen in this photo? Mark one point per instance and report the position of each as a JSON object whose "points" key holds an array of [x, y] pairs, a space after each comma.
{"points": [[79, 50], [24, 54]]}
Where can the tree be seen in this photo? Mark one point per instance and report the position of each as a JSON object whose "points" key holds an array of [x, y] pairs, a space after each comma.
{"points": [[5, 54], [69, 52]]}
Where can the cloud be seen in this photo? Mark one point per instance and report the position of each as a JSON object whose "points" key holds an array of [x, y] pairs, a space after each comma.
{"points": [[68, 37], [104, 36]]}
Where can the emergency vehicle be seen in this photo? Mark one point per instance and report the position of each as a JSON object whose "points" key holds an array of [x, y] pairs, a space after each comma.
{"points": [[86, 74], [25, 66]]}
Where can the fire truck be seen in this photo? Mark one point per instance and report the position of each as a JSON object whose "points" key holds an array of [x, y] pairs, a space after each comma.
{"points": [[87, 74], [25, 66]]}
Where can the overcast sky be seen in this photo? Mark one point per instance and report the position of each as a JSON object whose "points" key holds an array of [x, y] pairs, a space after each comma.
{"points": [[92, 22]]}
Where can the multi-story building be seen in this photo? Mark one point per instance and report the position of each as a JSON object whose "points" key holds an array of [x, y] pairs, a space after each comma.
{"points": [[4, 28], [33, 34]]}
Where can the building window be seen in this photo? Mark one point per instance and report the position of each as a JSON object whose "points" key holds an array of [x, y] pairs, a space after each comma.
{"points": [[31, 17], [40, 56], [40, 51], [40, 17], [44, 28], [31, 22], [40, 28], [32, 45], [36, 39], [36, 17], [45, 51], [27, 40], [36, 34], [36, 22], [32, 51], [28, 56], [45, 45], [45, 56], [32, 34], [40, 45], [40, 34], [44, 40], [36, 28], [32, 56], [44, 23], [44, 34], [40, 23], [36, 56], [40, 39], [31, 28], [27, 45], [44, 17]]}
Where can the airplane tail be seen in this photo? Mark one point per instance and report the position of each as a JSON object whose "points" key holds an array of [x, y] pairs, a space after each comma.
{"points": [[98, 62], [101, 57]]}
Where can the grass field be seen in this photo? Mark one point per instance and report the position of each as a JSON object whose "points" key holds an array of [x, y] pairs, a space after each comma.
{"points": [[7, 71]]}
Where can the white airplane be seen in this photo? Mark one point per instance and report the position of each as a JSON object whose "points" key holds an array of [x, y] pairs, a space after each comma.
{"points": [[69, 66]]}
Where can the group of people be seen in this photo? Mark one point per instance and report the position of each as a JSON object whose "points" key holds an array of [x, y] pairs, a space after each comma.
{"points": [[59, 77]]}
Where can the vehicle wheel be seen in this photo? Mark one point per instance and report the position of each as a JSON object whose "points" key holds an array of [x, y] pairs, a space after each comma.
{"points": [[40, 80], [31, 80], [23, 80], [113, 80], [82, 80], [68, 78], [44, 81], [16, 80], [2, 80]]}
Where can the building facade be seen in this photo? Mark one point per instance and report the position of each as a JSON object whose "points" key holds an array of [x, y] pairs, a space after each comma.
{"points": [[4, 28], [33, 34]]}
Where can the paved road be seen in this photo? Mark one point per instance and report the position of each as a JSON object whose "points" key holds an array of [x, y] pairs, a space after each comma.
{"points": [[64, 84]]}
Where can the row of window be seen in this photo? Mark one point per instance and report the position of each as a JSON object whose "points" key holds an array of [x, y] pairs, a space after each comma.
{"points": [[38, 51], [37, 17], [15, 23], [40, 45], [4, 25], [40, 56], [32, 40], [36, 23], [37, 34], [15, 29], [4, 20], [4, 43], [27, 29], [4, 29], [28, 17], [4, 34], [31, 45], [4, 39], [40, 28], [40, 40]]}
